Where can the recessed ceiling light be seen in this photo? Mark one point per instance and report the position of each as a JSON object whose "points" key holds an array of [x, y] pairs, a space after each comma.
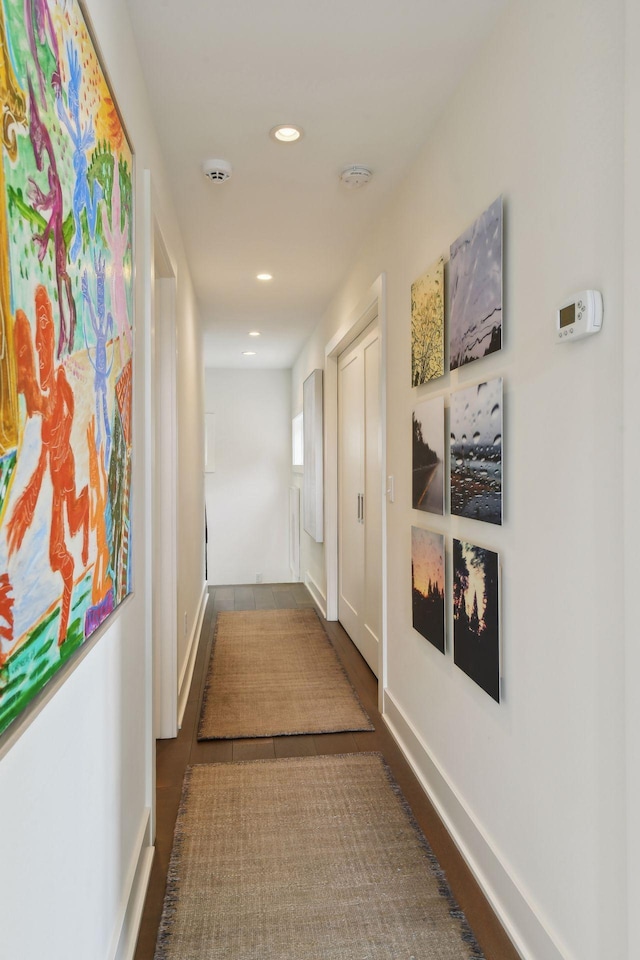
{"points": [[264, 276], [248, 353], [286, 133], [254, 333]]}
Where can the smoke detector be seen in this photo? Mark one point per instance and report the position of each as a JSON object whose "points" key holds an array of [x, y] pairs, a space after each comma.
{"points": [[216, 170], [355, 175]]}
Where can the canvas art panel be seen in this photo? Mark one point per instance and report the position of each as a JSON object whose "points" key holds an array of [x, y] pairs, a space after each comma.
{"points": [[312, 479], [427, 585], [428, 456], [475, 289], [66, 341], [476, 615], [427, 325], [476, 452]]}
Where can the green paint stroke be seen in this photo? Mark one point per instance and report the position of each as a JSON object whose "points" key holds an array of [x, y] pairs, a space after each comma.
{"points": [[36, 660]]}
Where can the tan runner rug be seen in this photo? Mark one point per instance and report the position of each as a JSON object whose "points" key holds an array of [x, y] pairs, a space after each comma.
{"points": [[275, 672], [314, 858]]}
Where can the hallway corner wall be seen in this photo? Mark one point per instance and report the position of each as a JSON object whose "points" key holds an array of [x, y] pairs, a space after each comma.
{"points": [[248, 494], [76, 785], [533, 789]]}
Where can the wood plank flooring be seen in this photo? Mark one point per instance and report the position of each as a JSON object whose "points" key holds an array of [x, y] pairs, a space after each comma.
{"points": [[173, 756]]}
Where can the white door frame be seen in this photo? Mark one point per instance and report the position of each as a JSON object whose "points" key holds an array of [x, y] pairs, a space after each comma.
{"points": [[160, 479], [371, 306], [148, 364], [165, 602]]}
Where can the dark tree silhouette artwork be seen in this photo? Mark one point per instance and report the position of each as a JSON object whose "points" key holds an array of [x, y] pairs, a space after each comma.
{"points": [[423, 455], [427, 586], [476, 621]]}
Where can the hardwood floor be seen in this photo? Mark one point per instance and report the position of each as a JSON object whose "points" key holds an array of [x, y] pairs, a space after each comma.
{"points": [[173, 756]]}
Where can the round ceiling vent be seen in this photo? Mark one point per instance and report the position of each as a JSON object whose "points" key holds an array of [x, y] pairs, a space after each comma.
{"points": [[355, 175], [217, 170]]}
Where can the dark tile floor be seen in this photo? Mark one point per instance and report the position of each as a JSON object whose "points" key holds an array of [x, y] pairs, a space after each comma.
{"points": [[173, 756]]}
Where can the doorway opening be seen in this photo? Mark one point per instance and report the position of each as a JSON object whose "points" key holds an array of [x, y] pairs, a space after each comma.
{"points": [[370, 310], [359, 487], [165, 494]]}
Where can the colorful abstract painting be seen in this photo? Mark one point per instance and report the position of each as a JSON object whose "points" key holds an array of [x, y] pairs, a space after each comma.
{"points": [[428, 456], [476, 452], [427, 325], [66, 308], [475, 289], [427, 585], [476, 615]]}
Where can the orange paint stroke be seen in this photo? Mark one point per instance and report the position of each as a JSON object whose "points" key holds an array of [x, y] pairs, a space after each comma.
{"points": [[6, 614], [52, 398]]}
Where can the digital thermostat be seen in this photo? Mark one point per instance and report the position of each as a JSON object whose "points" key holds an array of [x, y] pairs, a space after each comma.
{"points": [[579, 317]]}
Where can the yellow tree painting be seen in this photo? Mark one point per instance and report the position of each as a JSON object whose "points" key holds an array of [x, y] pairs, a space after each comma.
{"points": [[66, 308], [427, 325]]}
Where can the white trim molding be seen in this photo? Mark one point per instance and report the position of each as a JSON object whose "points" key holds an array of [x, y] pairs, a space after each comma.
{"points": [[519, 915], [316, 593], [186, 674], [130, 913]]}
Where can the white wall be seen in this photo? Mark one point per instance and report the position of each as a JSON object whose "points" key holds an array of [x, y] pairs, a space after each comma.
{"points": [[248, 495], [632, 451], [533, 789], [75, 788]]}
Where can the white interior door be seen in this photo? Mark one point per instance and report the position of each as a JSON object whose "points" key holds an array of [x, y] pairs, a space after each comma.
{"points": [[351, 488], [360, 494], [372, 507]]}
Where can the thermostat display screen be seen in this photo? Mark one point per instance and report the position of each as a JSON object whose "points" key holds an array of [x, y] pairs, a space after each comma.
{"points": [[567, 315], [579, 316]]}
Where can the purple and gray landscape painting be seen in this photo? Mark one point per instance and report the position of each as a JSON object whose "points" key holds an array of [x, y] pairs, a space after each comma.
{"points": [[476, 452], [475, 289]]}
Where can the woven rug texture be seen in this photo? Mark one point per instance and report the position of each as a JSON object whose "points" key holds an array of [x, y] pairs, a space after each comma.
{"points": [[273, 673], [314, 858]]}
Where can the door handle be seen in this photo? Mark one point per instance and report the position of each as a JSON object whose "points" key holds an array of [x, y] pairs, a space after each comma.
{"points": [[362, 508], [359, 508]]}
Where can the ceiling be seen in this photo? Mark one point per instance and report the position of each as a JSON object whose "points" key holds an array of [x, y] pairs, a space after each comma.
{"points": [[365, 79]]}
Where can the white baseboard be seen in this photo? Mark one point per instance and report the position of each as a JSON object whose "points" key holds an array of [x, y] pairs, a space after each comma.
{"points": [[190, 660], [130, 914], [519, 915], [316, 593]]}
